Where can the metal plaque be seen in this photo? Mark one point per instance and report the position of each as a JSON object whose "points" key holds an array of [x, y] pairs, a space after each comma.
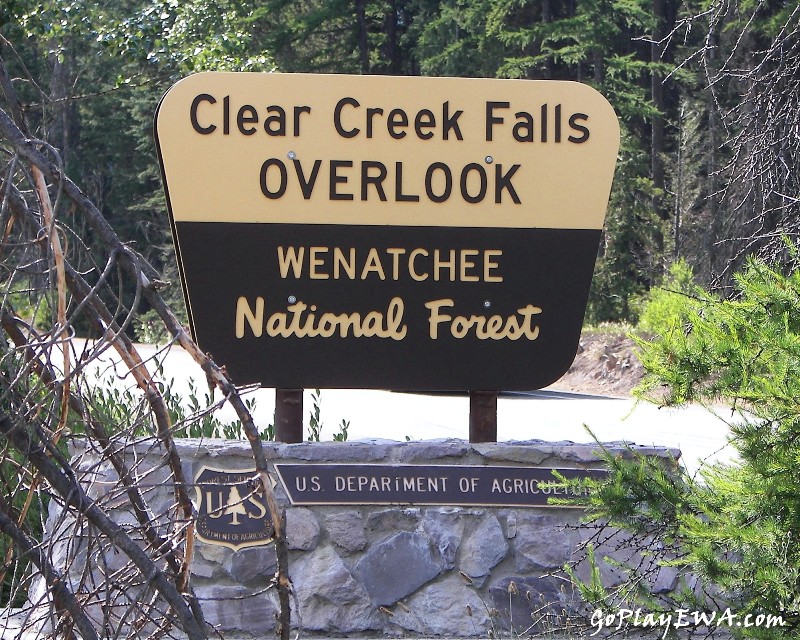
{"points": [[351, 484]]}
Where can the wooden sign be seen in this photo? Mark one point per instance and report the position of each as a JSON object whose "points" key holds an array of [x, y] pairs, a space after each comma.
{"points": [[351, 484], [386, 232], [230, 512]]}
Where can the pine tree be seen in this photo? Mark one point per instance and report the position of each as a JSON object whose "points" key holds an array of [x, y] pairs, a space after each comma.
{"points": [[736, 526], [235, 506]]}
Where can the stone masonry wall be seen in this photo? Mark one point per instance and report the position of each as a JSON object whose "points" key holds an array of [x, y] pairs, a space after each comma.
{"points": [[372, 570]]}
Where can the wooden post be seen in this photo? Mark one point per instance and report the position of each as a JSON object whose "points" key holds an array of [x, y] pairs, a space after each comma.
{"points": [[483, 416], [288, 415]]}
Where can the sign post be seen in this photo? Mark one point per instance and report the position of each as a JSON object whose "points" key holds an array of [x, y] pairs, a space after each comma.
{"points": [[289, 415], [387, 232], [483, 416]]}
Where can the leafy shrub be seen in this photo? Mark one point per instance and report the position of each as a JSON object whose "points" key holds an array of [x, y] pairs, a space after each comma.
{"points": [[192, 416], [315, 423], [665, 309]]}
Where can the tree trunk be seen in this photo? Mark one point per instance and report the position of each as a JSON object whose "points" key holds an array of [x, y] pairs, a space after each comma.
{"points": [[392, 50], [547, 18], [363, 45], [657, 96]]}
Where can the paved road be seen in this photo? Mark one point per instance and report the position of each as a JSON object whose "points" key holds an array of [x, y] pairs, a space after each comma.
{"points": [[544, 415]]}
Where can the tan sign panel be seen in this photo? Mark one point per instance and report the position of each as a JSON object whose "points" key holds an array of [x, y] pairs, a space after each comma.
{"points": [[378, 150], [387, 232]]}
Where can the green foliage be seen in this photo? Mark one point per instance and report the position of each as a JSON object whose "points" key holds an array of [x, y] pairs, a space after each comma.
{"points": [[191, 416], [315, 423], [13, 470], [454, 39], [591, 41], [746, 349], [21, 295], [337, 36], [591, 590], [736, 525], [631, 250], [665, 308], [149, 329], [341, 435], [30, 508], [614, 330]]}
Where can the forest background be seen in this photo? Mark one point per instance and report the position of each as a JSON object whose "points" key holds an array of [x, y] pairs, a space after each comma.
{"points": [[708, 95], [702, 175]]}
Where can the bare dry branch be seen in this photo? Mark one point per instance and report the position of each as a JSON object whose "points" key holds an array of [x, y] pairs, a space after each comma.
{"points": [[46, 395]]}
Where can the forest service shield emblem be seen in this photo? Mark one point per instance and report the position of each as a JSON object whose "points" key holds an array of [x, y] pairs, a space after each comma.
{"points": [[230, 511]]}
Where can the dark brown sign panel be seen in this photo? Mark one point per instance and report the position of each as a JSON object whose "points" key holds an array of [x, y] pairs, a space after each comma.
{"points": [[376, 232], [427, 485], [229, 511], [414, 334]]}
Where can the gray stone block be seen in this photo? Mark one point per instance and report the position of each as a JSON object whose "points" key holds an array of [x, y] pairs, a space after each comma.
{"points": [[160, 504], [334, 451], [534, 452], [330, 598], [205, 450], [398, 567], [109, 560], [667, 454], [346, 529], [388, 521], [215, 553], [510, 518], [666, 580], [446, 608], [483, 549], [428, 450], [253, 564], [581, 453], [445, 528], [400, 552], [533, 605], [202, 568], [302, 529], [100, 480], [238, 609], [617, 547], [542, 544]]}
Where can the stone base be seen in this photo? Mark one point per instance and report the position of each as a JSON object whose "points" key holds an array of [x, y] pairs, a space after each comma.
{"points": [[404, 570]]}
